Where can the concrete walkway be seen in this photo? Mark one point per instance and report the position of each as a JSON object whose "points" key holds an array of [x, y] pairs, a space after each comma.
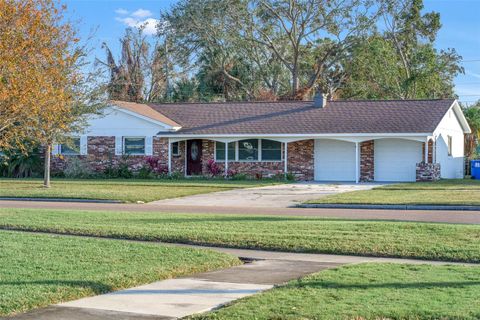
{"points": [[278, 196], [177, 298]]}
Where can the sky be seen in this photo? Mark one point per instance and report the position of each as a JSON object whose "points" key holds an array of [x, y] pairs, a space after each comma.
{"points": [[107, 19]]}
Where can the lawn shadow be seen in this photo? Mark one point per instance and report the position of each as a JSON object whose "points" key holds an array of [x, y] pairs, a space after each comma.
{"points": [[392, 285], [97, 287]]}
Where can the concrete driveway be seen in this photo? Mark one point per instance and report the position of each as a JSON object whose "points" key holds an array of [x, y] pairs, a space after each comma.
{"points": [[278, 196]]}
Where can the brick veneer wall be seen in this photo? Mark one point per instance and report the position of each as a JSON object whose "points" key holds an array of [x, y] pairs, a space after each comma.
{"points": [[101, 155], [430, 151], [300, 161], [367, 161]]}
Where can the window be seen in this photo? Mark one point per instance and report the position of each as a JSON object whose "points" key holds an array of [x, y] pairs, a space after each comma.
{"points": [[449, 145], [248, 150], [220, 151], [271, 150], [73, 148], [134, 146], [175, 149]]}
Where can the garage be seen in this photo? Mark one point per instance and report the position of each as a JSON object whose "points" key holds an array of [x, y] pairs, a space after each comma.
{"points": [[334, 160], [396, 159]]}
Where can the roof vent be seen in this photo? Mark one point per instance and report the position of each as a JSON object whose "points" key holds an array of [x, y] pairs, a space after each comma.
{"points": [[320, 100]]}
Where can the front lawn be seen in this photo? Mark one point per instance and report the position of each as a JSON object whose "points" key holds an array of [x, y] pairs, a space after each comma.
{"points": [[444, 192], [449, 242], [123, 190], [367, 291], [37, 270]]}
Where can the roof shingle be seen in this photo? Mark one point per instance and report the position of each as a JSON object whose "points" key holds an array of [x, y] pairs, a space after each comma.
{"points": [[302, 117]]}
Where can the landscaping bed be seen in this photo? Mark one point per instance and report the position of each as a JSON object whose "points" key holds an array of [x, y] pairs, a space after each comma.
{"points": [[433, 241], [367, 291], [37, 269], [120, 189], [443, 192]]}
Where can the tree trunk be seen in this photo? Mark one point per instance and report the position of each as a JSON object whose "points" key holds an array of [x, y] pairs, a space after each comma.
{"points": [[295, 84], [46, 172]]}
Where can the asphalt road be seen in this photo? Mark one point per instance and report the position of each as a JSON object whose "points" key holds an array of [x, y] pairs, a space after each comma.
{"points": [[465, 217]]}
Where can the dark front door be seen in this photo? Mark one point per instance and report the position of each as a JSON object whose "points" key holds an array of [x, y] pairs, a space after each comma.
{"points": [[194, 157]]}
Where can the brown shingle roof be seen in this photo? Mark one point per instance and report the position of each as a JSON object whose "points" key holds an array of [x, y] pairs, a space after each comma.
{"points": [[145, 111], [301, 117]]}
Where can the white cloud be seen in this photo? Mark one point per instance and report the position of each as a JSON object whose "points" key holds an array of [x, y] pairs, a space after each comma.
{"points": [[121, 11], [149, 25], [142, 13]]}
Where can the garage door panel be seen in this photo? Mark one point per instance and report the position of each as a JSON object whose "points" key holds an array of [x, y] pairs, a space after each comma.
{"points": [[334, 160], [396, 159]]}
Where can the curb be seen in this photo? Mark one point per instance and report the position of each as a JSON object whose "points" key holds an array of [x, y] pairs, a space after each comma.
{"points": [[390, 207], [58, 200]]}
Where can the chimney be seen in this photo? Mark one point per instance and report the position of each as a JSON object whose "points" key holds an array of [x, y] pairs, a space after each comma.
{"points": [[320, 100]]}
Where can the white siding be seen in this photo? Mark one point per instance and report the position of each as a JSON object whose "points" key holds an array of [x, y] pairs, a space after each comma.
{"points": [[452, 167], [118, 123]]}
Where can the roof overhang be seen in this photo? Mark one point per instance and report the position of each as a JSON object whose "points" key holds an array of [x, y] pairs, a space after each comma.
{"points": [[351, 137]]}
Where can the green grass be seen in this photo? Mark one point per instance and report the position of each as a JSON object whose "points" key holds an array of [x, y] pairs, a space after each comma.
{"points": [[449, 242], [367, 291], [123, 190], [37, 270], [444, 192]]}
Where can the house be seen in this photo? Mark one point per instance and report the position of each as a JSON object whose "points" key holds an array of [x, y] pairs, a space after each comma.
{"points": [[382, 140]]}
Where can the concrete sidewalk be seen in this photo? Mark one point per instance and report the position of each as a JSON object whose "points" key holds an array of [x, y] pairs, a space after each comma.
{"points": [[177, 298]]}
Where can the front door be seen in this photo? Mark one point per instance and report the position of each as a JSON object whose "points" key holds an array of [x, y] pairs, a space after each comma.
{"points": [[194, 157]]}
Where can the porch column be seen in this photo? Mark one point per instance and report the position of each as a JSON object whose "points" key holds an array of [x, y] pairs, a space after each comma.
{"points": [[226, 159], [357, 163], [169, 156], [426, 150], [285, 158]]}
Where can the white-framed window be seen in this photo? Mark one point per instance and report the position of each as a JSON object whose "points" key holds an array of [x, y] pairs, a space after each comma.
{"points": [[175, 148], [134, 145], [449, 145], [72, 148], [220, 151], [248, 150], [271, 150]]}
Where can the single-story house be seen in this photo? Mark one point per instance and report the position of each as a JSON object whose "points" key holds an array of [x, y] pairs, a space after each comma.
{"points": [[381, 140]]}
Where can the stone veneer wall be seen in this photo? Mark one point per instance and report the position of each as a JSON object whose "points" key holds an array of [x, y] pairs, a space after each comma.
{"points": [[367, 161], [428, 172]]}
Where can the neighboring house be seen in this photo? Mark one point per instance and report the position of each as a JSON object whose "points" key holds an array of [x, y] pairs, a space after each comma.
{"points": [[397, 140]]}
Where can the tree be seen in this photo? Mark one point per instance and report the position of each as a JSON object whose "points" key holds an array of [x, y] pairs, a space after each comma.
{"points": [[472, 140], [401, 62], [63, 95], [139, 75]]}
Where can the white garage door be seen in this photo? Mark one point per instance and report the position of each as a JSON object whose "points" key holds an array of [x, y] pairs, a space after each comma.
{"points": [[334, 160], [396, 159]]}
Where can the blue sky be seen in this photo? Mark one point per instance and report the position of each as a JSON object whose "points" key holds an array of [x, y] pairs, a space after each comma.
{"points": [[461, 29]]}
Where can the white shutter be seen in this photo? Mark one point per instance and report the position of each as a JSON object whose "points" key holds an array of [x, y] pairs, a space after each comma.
{"points": [[148, 146], [56, 149], [83, 145], [118, 146]]}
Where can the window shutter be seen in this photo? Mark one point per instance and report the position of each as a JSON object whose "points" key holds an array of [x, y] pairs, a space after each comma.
{"points": [[56, 149], [83, 145], [118, 146], [148, 146]]}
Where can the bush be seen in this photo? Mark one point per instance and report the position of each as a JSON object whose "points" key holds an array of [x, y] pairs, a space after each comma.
{"points": [[156, 167], [121, 170], [77, 168], [213, 168], [145, 172], [239, 176], [15, 164]]}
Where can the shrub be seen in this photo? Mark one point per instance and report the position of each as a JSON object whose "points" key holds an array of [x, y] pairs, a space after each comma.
{"points": [[77, 168], [145, 172], [156, 167], [213, 168], [17, 164], [239, 176]]}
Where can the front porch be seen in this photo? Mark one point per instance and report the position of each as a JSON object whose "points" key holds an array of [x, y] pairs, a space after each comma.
{"points": [[322, 158]]}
